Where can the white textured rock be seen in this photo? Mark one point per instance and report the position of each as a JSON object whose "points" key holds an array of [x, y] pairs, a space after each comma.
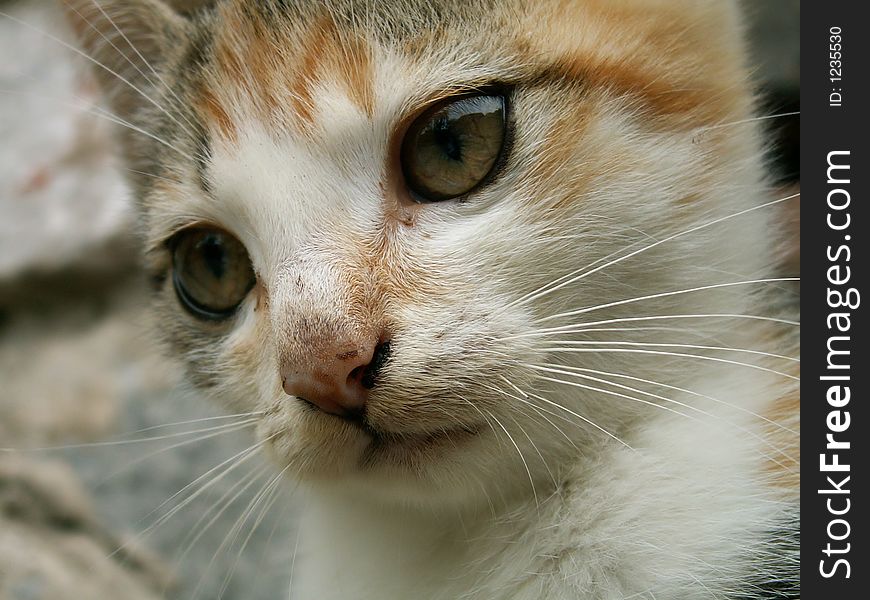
{"points": [[60, 197]]}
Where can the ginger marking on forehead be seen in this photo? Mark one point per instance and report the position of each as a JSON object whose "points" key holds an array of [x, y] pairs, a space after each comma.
{"points": [[701, 104], [676, 63], [213, 113], [331, 52], [277, 72], [358, 74], [305, 76]]}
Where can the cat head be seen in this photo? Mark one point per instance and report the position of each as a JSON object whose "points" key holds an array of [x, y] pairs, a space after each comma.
{"points": [[382, 225]]}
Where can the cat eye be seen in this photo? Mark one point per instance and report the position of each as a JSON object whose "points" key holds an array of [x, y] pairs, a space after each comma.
{"points": [[454, 147], [211, 272]]}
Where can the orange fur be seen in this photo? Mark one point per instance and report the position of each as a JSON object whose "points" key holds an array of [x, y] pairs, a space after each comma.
{"points": [[674, 66], [281, 83], [212, 111]]}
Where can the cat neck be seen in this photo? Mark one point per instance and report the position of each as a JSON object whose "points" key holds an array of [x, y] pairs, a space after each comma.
{"points": [[403, 551]]}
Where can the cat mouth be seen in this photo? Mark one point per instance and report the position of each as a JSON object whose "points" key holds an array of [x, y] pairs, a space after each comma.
{"points": [[395, 442], [414, 449], [323, 445], [359, 421], [449, 435]]}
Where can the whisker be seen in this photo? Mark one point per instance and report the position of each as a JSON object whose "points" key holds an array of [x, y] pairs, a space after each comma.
{"points": [[686, 391], [701, 288], [127, 442], [227, 499], [589, 272], [578, 327], [608, 392], [522, 458], [680, 330], [267, 546], [295, 552], [91, 59], [480, 412], [271, 498], [538, 452], [667, 345], [752, 120], [675, 354], [193, 421], [109, 41], [538, 409], [234, 531], [103, 114], [669, 400], [141, 459], [138, 53], [498, 440], [564, 280], [152, 175], [582, 418], [240, 457], [665, 408], [247, 452]]}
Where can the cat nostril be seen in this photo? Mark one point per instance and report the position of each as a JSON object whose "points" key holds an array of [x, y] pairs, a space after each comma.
{"points": [[356, 376], [366, 375]]}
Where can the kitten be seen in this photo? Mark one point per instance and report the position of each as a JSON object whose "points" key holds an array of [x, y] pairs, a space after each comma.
{"points": [[497, 274]]}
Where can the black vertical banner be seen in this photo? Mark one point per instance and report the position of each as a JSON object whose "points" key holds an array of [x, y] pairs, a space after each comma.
{"points": [[835, 64]]}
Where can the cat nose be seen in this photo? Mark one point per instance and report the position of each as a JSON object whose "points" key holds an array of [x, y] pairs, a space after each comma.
{"points": [[337, 379]]}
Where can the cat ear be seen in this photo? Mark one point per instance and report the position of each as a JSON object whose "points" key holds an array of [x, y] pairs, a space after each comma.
{"points": [[127, 41]]}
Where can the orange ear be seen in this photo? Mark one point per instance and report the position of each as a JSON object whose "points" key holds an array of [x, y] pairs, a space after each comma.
{"points": [[128, 41]]}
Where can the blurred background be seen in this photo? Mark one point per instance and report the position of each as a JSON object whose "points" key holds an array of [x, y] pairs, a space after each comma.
{"points": [[100, 439]]}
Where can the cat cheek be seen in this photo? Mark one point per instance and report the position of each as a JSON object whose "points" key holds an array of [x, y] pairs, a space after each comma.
{"points": [[249, 351]]}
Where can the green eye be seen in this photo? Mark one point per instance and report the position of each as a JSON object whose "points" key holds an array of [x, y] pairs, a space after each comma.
{"points": [[452, 149], [211, 271]]}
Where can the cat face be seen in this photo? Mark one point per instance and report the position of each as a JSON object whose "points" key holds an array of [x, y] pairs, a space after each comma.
{"points": [[383, 227]]}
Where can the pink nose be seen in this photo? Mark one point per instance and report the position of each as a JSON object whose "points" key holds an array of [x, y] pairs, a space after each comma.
{"points": [[337, 379]]}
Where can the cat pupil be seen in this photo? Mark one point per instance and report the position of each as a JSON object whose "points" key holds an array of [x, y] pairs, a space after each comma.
{"points": [[213, 256], [447, 140]]}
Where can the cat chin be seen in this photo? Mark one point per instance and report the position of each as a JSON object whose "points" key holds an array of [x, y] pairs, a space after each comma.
{"points": [[316, 447]]}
